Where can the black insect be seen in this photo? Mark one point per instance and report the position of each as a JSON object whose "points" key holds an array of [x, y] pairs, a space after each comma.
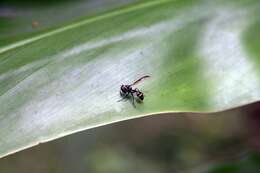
{"points": [[126, 90]]}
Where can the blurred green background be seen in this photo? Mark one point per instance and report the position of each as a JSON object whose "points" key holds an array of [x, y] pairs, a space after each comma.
{"points": [[22, 19], [226, 142]]}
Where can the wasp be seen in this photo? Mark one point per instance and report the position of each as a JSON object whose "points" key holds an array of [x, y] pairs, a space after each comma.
{"points": [[126, 90]]}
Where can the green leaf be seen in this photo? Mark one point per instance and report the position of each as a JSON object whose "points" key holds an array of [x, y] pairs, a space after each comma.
{"points": [[202, 56]]}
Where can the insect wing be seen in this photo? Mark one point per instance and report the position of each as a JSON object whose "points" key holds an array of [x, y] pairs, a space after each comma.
{"points": [[140, 79]]}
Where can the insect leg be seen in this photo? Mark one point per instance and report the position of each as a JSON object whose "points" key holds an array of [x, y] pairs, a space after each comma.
{"points": [[133, 99], [125, 96]]}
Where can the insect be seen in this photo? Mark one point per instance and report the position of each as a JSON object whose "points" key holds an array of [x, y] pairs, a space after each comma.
{"points": [[126, 90]]}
